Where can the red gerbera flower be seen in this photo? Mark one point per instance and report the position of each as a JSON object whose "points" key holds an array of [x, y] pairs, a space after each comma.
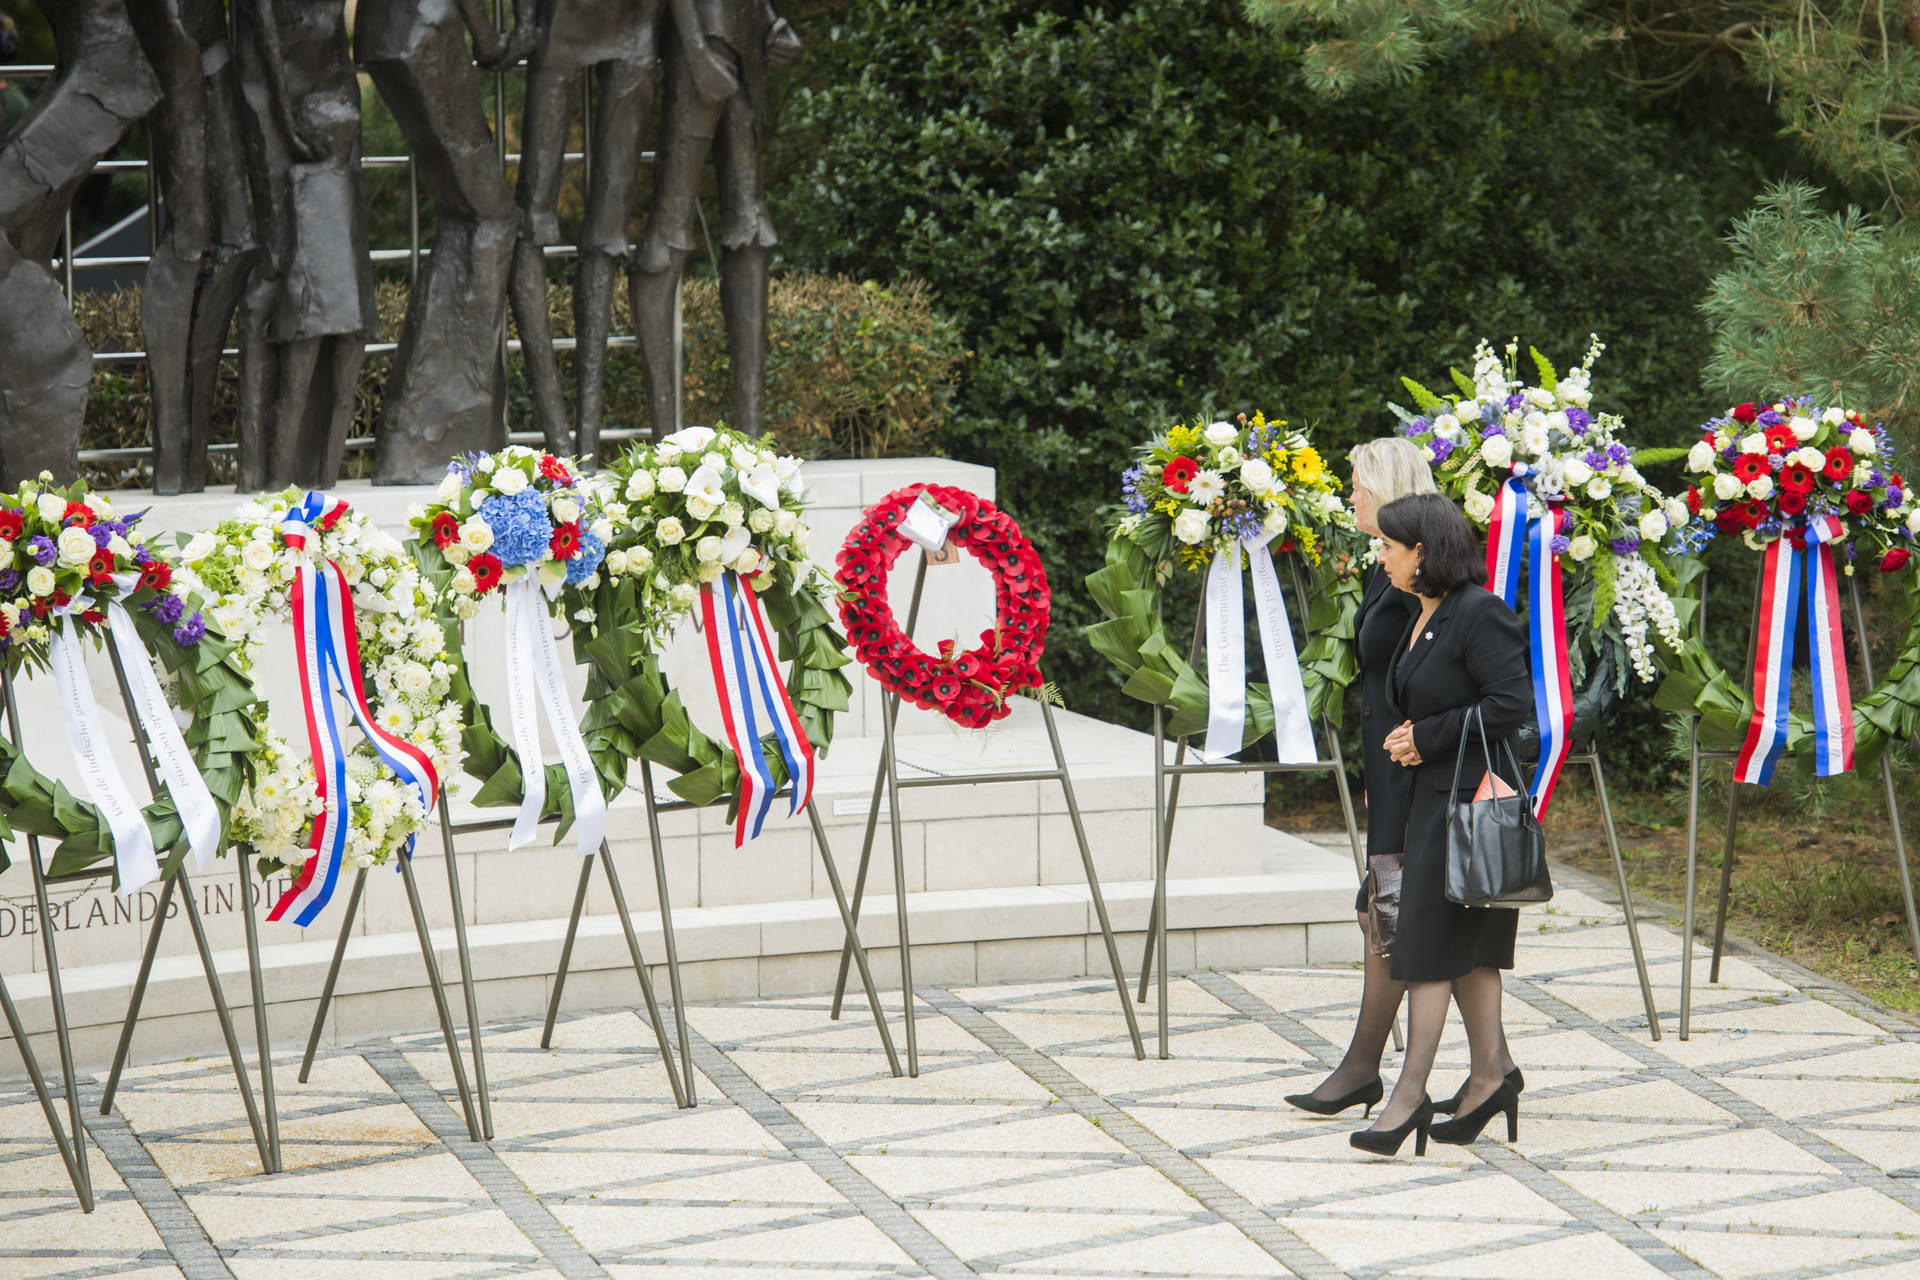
{"points": [[565, 542], [78, 514], [157, 574], [1179, 473], [1797, 478], [12, 522], [1745, 413], [100, 568], [1749, 467], [1752, 513], [554, 469], [1839, 464], [1693, 501], [40, 606], [1780, 438], [486, 570], [1895, 559], [446, 529]]}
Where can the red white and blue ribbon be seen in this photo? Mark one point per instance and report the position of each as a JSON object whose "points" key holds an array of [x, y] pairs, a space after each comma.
{"points": [[1780, 586], [1513, 534], [327, 644], [753, 702]]}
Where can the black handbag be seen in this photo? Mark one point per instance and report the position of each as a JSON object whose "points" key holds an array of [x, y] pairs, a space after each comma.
{"points": [[1496, 851]]}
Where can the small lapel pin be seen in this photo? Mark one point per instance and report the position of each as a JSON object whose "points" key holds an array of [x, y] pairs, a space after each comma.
{"points": [[1429, 635]]}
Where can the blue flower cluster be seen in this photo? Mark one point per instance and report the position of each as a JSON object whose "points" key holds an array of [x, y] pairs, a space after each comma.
{"points": [[1130, 488], [592, 551], [521, 527]]}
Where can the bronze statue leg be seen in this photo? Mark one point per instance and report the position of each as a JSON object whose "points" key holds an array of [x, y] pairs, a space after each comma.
{"points": [[44, 370], [624, 94], [746, 235], [543, 143], [323, 441], [287, 428]]}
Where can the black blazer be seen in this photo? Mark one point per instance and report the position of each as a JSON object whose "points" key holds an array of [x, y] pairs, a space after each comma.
{"points": [[1380, 632], [1472, 650]]}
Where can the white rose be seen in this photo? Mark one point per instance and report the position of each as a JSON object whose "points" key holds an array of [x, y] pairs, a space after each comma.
{"points": [[731, 513], [199, 547], [509, 480], [565, 510], [98, 504], [449, 488], [40, 580], [1540, 396], [672, 479], [1190, 526], [1557, 421], [51, 507], [1726, 487], [1676, 512], [708, 550], [712, 462], [670, 532], [476, 535], [747, 561], [1861, 442], [457, 554], [639, 560], [1755, 443], [601, 529], [1479, 505], [1228, 458], [1653, 526], [1913, 520], [709, 572], [1834, 417], [1496, 451], [761, 521], [700, 508], [257, 555], [1700, 457], [1804, 428], [1256, 475], [683, 594], [616, 563], [414, 679], [639, 486], [1582, 546], [1577, 472], [1219, 434], [1599, 489], [1275, 523], [76, 547], [785, 522], [463, 581], [1761, 488], [743, 458]]}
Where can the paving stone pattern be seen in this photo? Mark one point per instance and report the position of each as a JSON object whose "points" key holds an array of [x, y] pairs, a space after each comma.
{"points": [[1782, 1140]]}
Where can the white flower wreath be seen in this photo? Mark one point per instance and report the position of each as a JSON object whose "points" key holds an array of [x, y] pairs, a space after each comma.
{"points": [[245, 568]]}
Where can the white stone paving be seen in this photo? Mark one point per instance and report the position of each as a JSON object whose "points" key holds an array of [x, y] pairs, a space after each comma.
{"points": [[1782, 1141]]}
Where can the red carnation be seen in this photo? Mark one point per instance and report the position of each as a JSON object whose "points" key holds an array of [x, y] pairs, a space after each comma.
{"points": [[1796, 477], [1895, 559], [554, 469], [1780, 438], [79, 513], [1859, 502], [565, 543], [446, 530], [1793, 502], [1745, 413], [1179, 473], [1749, 467], [100, 568], [1839, 464], [157, 574], [1693, 501], [486, 570], [12, 522]]}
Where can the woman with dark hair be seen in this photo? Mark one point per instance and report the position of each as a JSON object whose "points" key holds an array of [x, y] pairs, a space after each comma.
{"points": [[1464, 650]]}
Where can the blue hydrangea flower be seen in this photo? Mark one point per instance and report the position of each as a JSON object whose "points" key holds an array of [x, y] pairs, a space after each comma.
{"points": [[521, 527], [592, 551]]}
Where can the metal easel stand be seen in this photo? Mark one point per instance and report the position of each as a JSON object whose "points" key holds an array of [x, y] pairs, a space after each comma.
{"points": [[654, 809], [479, 1118], [1591, 758], [1697, 756], [1166, 806], [888, 775]]}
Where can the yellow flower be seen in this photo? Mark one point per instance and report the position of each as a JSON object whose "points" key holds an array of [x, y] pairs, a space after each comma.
{"points": [[1195, 557], [1307, 464], [1168, 506], [1183, 439]]}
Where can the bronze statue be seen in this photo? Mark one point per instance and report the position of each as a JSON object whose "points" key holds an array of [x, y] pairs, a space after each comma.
{"points": [[201, 264], [444, 391], [308, 310], [103, 86], [752, 40], [616, 42]]}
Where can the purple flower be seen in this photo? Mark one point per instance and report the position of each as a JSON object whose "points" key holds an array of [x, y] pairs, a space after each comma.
{"points": [[1768, 419], [1895, 496], [1441, 449], [1493, 429], [1595, 459], [1418, 426], [9, 579], [1130, 487], [168, 608], [1560, 544], [1619, 453], [141, 555], [191, 631], [1625, 546], [101, 535], [1578, 420], [1516, 400], [1853, 551], [41, 548], [1731, 452]]}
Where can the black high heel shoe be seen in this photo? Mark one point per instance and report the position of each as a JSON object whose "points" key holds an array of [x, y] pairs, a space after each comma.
{"points": [[1386, 1142], [1461, 1130], [1369, 1093], [1452, 1105]]}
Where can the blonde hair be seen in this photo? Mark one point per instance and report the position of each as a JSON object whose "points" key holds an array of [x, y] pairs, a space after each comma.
{"points": [[1389, 468]]}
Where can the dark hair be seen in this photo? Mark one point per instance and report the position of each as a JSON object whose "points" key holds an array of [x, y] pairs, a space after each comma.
{"points": [[1451, 555]]}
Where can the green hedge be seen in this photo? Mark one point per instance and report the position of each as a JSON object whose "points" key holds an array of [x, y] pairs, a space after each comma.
{"points": [[1140, 213]]}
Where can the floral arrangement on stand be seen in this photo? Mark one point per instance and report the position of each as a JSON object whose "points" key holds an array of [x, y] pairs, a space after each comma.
{"points": [[970, 687], [1501, 436], [1812, 487], [714, 520], [73, 570], [500, 517], [248, 567], [1198, 497]]}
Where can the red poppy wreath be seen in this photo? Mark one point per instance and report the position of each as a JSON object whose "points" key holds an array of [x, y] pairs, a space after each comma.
{"points": [[969, 688]]}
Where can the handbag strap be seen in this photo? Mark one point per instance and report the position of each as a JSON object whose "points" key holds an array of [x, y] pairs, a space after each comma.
{"points": [[1474, 717]]}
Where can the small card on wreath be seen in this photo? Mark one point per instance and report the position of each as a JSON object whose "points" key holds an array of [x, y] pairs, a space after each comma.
{"points": [[925, 523]]}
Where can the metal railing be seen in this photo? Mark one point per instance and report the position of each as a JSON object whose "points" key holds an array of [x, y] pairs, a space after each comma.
{"points": [[413, 254]]}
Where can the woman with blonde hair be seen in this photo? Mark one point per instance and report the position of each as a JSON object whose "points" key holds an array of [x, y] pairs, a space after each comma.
{"points": [[1384, 471]]}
